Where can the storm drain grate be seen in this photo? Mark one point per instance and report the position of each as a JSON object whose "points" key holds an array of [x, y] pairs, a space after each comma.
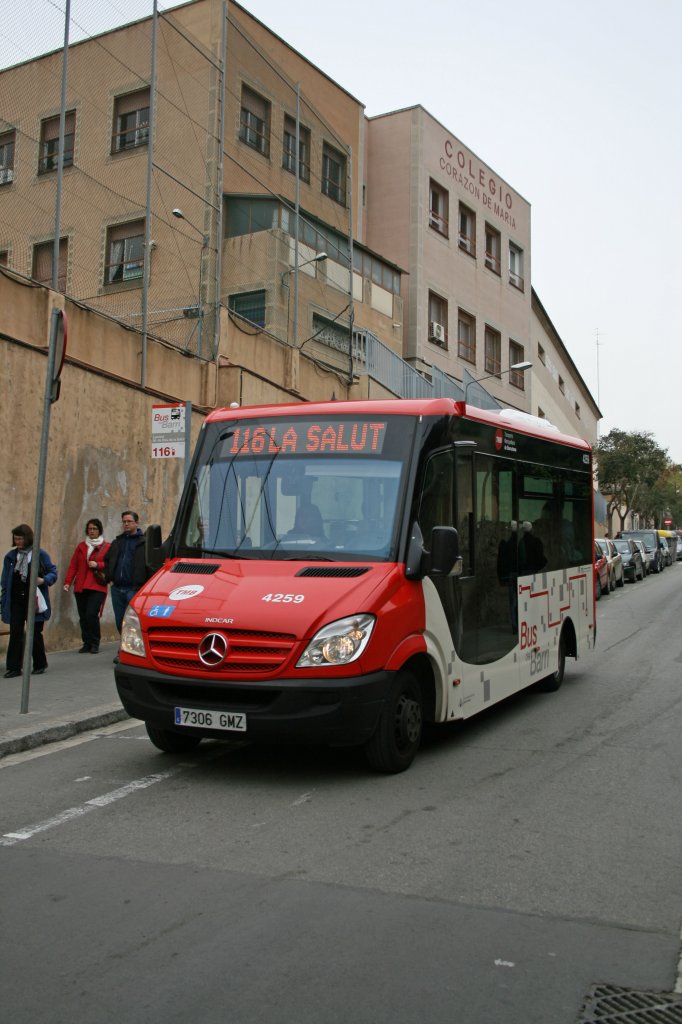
{"points": [[607, 1004]]}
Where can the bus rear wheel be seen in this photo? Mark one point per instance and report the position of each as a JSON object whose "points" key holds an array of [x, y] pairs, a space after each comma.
{"points": [[171, 742], [552, 682], [398, 734]]}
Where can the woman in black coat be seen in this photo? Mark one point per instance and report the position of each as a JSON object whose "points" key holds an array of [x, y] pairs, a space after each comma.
{"points": [[14, 597]]}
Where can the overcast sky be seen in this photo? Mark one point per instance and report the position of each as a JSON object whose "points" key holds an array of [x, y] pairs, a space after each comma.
{"points": [[578, 106]]}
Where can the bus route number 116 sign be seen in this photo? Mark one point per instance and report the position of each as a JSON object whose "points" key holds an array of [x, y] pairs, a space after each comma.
{"points": [[168, 431]]}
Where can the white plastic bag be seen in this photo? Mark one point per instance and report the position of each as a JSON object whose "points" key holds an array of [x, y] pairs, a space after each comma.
{"points": [[41, 603]]}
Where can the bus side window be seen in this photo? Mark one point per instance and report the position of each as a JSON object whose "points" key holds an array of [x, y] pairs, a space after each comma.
{"points": [[436, 505]]}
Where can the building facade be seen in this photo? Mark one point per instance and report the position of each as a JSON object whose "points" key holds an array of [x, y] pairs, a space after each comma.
{"points": [[463, 235]]}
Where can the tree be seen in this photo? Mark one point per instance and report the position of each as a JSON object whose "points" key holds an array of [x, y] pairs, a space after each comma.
{"points": [[630, 467]]}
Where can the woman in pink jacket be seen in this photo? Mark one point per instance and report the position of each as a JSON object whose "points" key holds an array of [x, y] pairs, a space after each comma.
{"points": [[90, 590]]}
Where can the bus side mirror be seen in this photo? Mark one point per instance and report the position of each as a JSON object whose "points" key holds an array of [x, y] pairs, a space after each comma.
{"points": [[444, 551], [441, 560], [153, 553]]}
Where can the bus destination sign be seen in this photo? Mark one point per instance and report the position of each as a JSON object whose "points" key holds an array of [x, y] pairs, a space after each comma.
{"points": [[308, 437]]}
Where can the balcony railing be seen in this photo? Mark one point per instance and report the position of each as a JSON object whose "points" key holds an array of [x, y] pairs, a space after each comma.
{"points": [[372, 357]]}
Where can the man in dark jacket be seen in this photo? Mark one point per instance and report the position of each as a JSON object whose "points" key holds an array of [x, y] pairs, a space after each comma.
{"points": [[124, 565]]}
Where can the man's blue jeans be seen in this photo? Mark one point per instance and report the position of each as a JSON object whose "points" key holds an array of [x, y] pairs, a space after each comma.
{"points": [[120, 599]]}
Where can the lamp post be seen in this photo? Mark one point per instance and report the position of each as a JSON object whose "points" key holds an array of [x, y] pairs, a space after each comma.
{"points": [[294, 270], [519, 367], [204, 245]]}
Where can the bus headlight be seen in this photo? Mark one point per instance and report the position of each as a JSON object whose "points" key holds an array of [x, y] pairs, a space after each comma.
{"points": [[339, 643], [132, 641]]}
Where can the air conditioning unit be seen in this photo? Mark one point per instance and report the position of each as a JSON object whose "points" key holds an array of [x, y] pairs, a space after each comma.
{"points": [[436, 332]]}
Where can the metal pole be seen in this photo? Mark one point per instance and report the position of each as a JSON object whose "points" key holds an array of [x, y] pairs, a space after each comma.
{"points": [[148, 211], [60, 159], [37, 526], [351, 308], [296, 211], [202, 306], [221, 172], [188, 436]]}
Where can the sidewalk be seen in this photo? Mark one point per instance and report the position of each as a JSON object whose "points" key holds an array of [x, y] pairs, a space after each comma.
{"points": [[76, 693]]}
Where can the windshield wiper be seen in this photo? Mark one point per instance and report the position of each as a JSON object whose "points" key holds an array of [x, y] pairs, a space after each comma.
{"points": [[300, 556], [217, 551]]}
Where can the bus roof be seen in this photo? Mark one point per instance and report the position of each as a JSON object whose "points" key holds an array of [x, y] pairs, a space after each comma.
{"points": [[510, 419]]}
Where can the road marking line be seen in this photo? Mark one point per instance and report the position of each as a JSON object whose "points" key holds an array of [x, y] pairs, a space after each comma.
{"points": [[10, 838], [11, 760]]}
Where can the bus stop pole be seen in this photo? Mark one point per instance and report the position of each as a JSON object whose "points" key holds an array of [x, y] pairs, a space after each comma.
{"points": [[37, 526], [188, 438]]}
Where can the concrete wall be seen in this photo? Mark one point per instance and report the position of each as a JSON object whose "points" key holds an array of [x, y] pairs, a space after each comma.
{"points": [[99, 448]]}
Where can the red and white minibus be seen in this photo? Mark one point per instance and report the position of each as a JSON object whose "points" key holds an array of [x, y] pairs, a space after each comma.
{"points": [[343, 572]]}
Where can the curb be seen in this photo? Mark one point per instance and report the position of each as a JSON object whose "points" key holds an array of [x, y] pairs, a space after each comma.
{"points": [[60, 731]]}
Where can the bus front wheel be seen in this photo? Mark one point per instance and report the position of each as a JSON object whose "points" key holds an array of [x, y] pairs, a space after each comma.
{"points": [[171, 742], [398, 734]]}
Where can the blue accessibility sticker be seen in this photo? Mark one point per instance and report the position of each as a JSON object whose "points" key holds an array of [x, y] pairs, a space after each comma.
{"points": [[161, 611]]}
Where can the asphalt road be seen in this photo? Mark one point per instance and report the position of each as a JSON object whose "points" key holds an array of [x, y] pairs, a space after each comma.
{"points": [[526, 856]]}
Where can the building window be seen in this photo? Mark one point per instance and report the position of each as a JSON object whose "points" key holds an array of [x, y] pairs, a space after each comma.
{"points": [[516, 266], [333, 174], [467, 229], [289, 151], [562, 385], [577, 410], [42, 263], [125, 253], [493, 352], [4, 258], [49, 142], [541, 413], [541, 355], [493, 249], [7, 158], [439, 208], [376, 270], [332, 333], [438, 320], [466, 337], [254, 121], [131, 121], [249, 306], [516, 377]]}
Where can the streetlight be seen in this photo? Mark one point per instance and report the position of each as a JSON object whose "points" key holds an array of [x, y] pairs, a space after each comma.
{"points": [[204, 245], [294, 270], [520, 367]]}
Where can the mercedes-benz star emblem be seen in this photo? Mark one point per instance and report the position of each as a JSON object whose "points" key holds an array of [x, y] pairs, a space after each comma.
{"points": [[213, 649]]}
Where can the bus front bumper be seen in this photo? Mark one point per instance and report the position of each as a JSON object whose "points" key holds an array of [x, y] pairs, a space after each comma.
{"points": [[336, 712]]}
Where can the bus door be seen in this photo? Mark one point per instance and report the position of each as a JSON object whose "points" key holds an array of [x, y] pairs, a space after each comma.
{"points": [[475, 493]]}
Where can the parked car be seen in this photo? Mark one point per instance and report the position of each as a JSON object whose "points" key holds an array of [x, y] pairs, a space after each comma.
{"points": [[633, 564], [650, 540], [646, 556], [601, 573], [613, 557], [670, 538], [665, 551]]}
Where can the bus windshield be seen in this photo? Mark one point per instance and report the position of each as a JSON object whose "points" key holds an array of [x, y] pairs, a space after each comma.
{"points": [[298, 488]]}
